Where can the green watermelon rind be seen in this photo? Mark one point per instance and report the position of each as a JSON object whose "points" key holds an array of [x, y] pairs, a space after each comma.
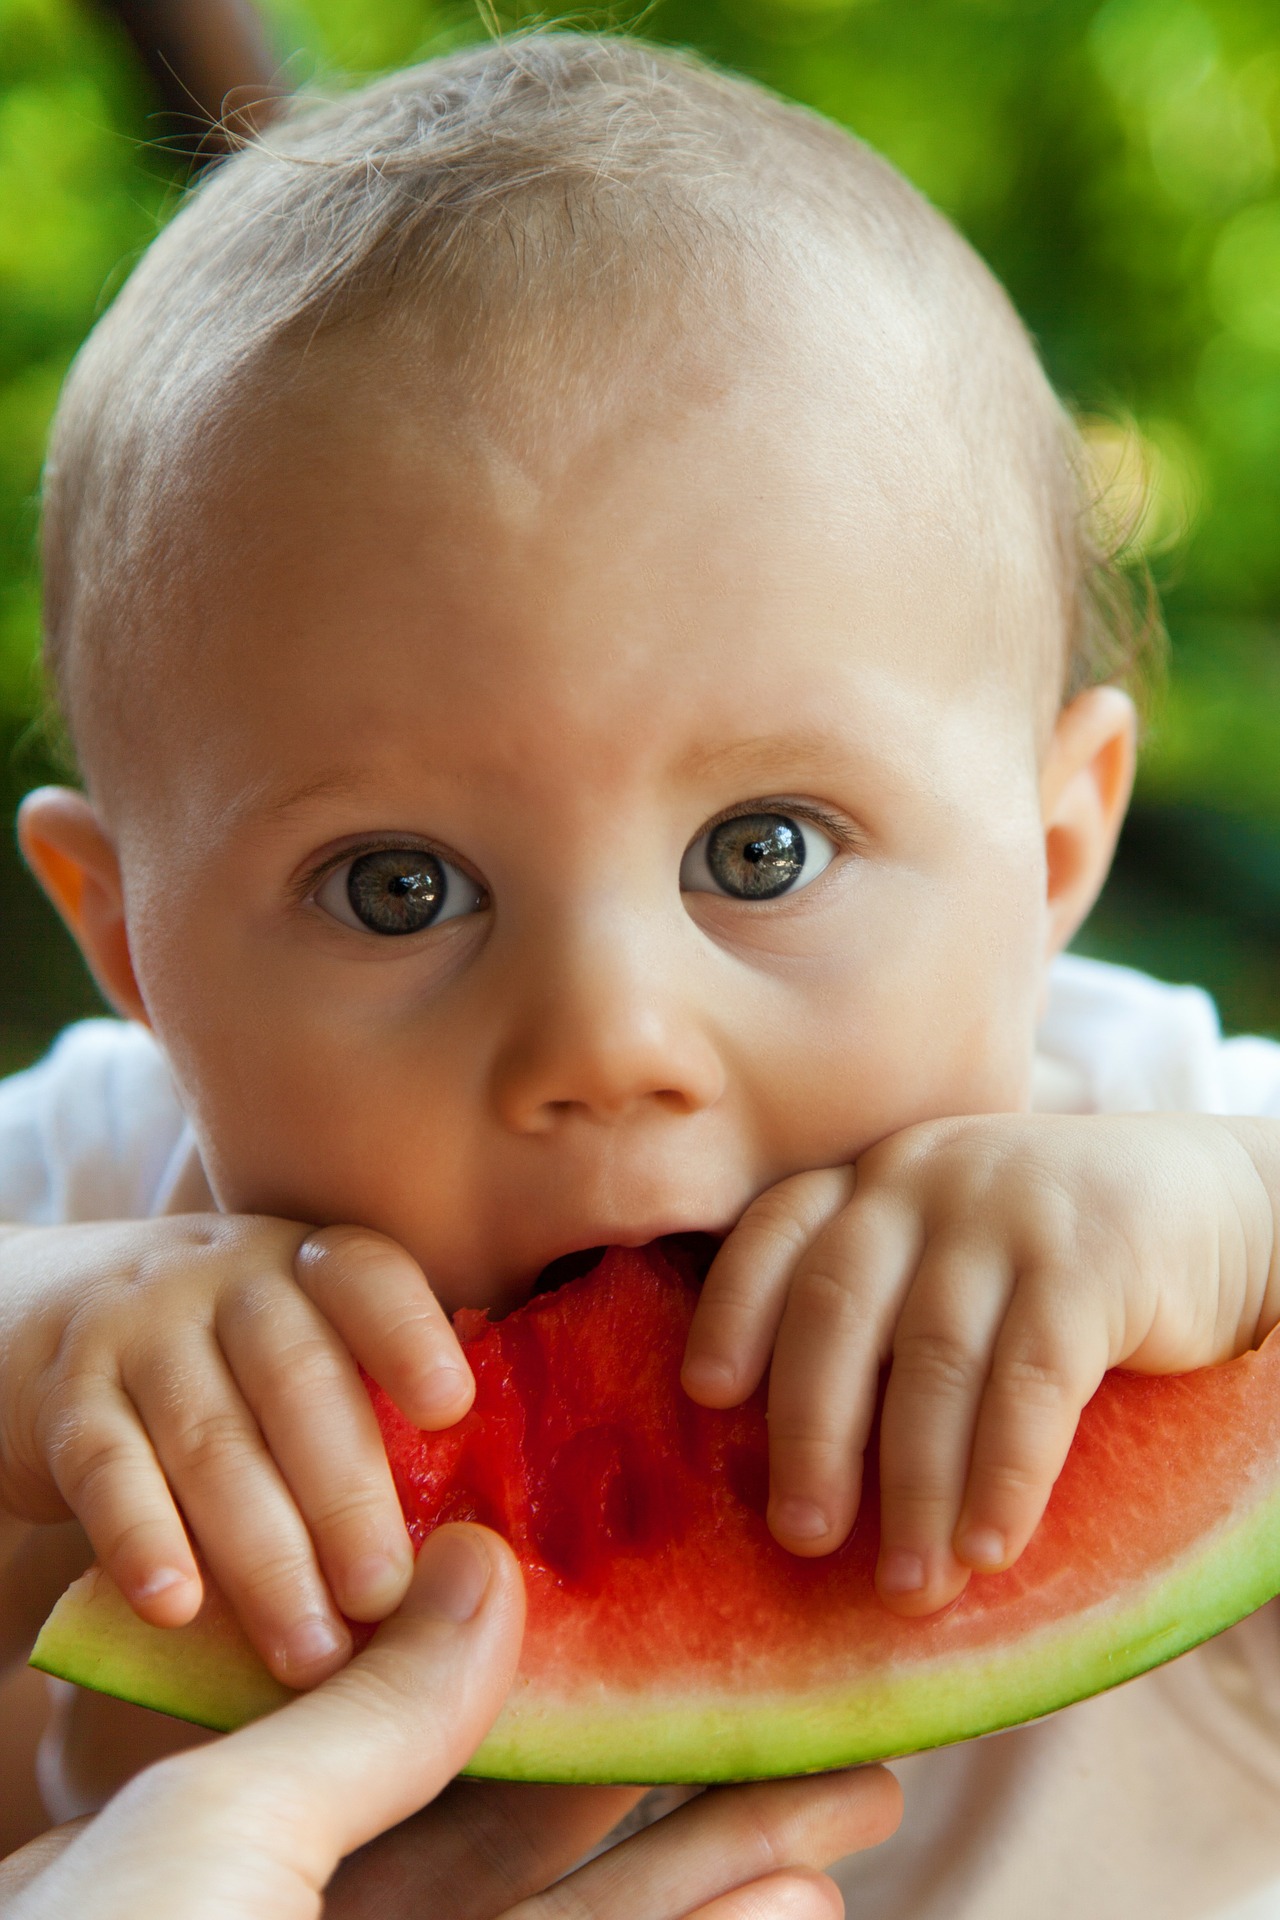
{"points": [[916, 1706], [206, 1673], [597, 1734]]}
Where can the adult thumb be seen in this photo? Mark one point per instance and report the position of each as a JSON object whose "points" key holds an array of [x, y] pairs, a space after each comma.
{"points": [[381, 1738], [251, 1828]]}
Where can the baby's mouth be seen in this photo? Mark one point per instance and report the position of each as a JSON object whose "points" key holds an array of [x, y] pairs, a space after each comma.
{"points": [[569, 1266], [694, 1251]]}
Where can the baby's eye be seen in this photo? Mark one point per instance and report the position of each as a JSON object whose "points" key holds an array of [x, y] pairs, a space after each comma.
{"points": [[398, 890], [756, 856]]}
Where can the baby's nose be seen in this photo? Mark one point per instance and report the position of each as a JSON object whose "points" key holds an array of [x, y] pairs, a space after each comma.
{"points": [[602, 1032]]}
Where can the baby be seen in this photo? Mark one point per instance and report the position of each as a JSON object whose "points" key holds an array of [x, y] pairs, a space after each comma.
{"points": [[569, 589]]}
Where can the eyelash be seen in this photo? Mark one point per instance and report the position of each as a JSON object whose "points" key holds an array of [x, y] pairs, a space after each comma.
{"points": [[836, 825], [305, 889]]}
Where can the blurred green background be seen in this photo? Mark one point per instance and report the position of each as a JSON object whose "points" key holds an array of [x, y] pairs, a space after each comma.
{"points": [[1116, 163]]}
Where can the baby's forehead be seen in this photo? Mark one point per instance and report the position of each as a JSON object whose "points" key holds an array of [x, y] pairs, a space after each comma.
{"points": [[797, 280], [837, 407], [368, 506]]}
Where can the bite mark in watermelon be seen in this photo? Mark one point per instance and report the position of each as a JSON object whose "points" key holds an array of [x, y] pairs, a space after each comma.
{"points": [[669, 1636]]}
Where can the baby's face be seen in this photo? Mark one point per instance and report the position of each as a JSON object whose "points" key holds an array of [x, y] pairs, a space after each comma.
{"points": [[555, 845]]}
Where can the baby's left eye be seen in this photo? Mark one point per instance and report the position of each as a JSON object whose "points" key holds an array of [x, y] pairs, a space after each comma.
{"points": [[396, 890], [756, 856]]}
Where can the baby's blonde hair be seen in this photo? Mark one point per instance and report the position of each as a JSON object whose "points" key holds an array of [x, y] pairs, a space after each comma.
{"points": [[548, 174]]}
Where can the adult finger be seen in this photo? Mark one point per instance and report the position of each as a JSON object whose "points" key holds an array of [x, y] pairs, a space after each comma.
{"points": [[779, 1896], [386, 1734], [727, 1839], [377, 1298], [481, 1846], [302, 1386], [252, 1827], [18, 1870], [745, 1291], [105, 1468], [239, 1509]]}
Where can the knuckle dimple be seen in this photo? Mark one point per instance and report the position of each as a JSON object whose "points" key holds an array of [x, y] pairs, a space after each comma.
{"points": [[939, 1364], [88, 1466], [807, 1449], [352, 1513], [825, 1296], [304, 1369], [1037, 1384], [772, 1228], [1012, 1482], [274, 1583], [212, 1442], [341, 1256], [133, 1539]]}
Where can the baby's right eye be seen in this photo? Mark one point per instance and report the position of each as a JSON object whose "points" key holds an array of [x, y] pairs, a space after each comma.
{"points": [[395, 890]]}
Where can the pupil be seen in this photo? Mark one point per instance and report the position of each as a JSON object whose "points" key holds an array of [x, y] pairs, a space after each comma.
{"points": [[756, 856], [396, 889]]}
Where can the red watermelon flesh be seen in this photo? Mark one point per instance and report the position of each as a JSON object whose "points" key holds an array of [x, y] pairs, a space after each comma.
{"points": [[670, 1637]]}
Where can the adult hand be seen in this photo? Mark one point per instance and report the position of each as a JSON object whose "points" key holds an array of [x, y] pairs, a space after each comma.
{"points": [[252, 1827]]}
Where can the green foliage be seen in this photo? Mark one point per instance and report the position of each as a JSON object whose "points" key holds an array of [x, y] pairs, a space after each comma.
{"points": [[1116, 162]]}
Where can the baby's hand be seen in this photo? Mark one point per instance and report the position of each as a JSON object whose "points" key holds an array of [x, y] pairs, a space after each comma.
{"points": [[999, 1265], [207, 1361]]}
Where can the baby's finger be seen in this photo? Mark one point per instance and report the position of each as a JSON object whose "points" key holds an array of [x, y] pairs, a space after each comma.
{"points": [[302, 1385], [744, 1294], [942, 1350], [1047, 1364], [825, 1372], [239, 1510], [105, 1469], [378, 1299]]}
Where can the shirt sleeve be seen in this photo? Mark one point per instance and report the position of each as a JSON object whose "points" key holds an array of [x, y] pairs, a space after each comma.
{"points": [[91, 1131], [1141, 1046]]}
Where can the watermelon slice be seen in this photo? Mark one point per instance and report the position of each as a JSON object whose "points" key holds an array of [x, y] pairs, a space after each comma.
{"points": [[670, 1638]]}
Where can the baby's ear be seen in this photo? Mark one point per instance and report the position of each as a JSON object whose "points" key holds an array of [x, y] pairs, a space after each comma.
{"points": [[73, 857], [1084, 791]]}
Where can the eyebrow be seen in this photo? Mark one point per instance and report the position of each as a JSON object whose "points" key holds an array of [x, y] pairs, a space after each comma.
{"points": [[789, 756], [272, 809], [794, 753]]}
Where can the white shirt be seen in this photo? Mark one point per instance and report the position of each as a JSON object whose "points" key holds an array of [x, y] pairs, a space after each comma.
{"points": [[1157, 1801]]}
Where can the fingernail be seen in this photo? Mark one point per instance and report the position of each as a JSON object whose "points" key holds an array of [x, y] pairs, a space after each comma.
{"points": [[705, 1375], [440, 1390], [900, 1572], [374, 1581], [313, 1641], [799, 1519], [454, 1571], [983, 1549], [160, 1582]]}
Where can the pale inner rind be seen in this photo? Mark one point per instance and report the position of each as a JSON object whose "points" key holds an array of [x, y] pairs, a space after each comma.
{"points": [[593, 1732]]}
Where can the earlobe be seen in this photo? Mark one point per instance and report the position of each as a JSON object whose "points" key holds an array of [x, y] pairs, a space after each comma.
{"points": [[73, 857], [1084, 790]]}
